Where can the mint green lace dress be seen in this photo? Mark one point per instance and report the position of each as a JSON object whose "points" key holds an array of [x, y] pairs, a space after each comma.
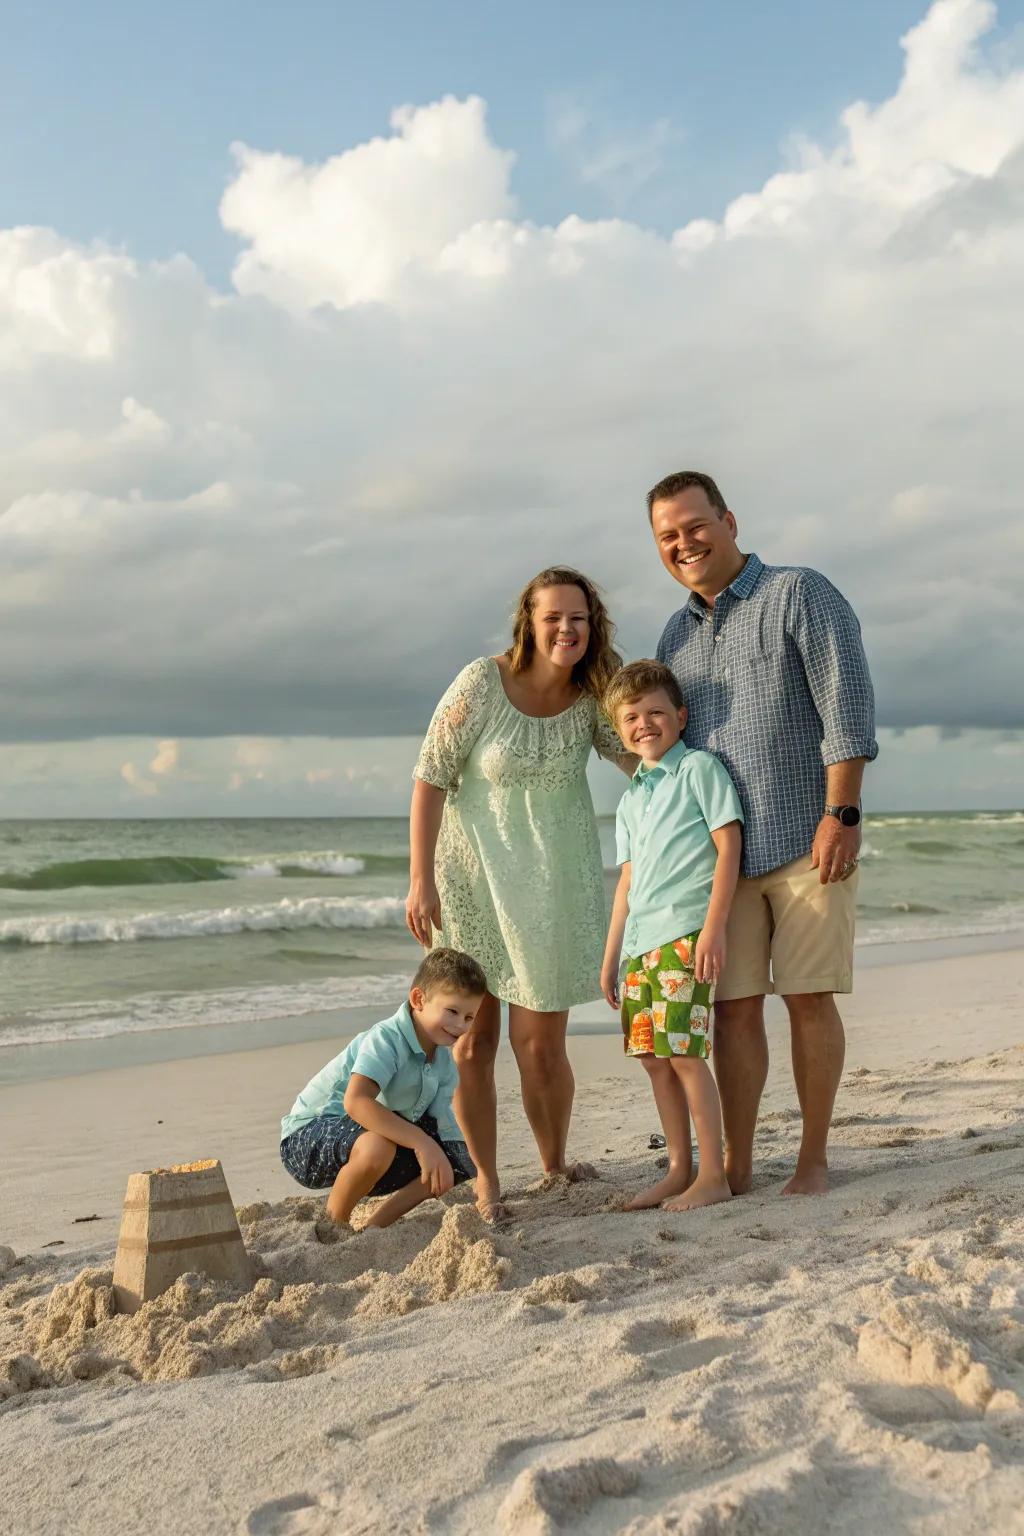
{"points": [[518, 862]]}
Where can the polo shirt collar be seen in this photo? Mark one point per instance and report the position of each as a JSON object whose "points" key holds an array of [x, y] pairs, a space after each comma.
{"points": [[406, 1027], [667, 764], [741, 586]]}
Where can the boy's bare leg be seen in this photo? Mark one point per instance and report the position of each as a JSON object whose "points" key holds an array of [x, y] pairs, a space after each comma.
{"points": [[741, 1067], [548, 1086], [369, 1160], [711, 1184], [819, 1049], [476, 1103], [675, 1122], [400, 1203]]}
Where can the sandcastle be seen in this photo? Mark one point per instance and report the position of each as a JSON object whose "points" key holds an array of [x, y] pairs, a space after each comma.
{"points": [[177, 1220]]}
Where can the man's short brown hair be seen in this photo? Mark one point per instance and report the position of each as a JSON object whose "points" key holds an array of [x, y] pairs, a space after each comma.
{"points": [[685, 480], [639, 677], [452, 970]]}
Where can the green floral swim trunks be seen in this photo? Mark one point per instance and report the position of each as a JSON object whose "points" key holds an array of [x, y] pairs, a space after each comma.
{"points": [[666, 1011]]}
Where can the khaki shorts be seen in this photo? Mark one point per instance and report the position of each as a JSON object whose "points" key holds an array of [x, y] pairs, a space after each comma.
{"points": [[789, 934]]}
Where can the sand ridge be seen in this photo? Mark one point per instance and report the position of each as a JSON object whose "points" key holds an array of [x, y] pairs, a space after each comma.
{"points": [[770, 1365]]}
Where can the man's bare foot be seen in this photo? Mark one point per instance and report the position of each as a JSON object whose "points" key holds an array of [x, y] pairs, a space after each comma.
{"points": [[672, 1184], [739, 1175], [812, 1180], [703, 1191]]}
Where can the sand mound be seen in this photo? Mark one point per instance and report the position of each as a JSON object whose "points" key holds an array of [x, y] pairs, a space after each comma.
{"points": [[309, 1298]]}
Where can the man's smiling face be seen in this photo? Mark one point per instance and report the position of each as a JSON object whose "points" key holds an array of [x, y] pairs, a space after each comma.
{"points": [[697, 544]]}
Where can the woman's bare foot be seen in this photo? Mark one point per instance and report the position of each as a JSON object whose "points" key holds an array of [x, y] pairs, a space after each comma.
{"points": [[490, 1206], [674, 1182], [580, 1173], [703, 1191]]}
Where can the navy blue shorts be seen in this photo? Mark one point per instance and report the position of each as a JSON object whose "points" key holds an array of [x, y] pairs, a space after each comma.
{"points": [[317, 1152]]}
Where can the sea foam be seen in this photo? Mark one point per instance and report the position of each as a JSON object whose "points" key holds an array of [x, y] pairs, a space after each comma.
{"points": [[310, 912]]}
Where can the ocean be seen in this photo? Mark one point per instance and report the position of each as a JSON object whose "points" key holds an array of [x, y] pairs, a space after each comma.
{"points": [[248, 931]]}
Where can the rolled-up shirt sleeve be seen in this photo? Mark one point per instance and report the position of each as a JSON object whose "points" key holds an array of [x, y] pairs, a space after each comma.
{"points": [[827, 634]]}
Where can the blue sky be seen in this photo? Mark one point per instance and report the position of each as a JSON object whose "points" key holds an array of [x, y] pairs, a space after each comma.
{"points": [[285, 427], [116, 119]]}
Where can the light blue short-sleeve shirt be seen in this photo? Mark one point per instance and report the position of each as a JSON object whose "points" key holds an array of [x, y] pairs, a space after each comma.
{"points": [[391, 1055], [663, 829]]}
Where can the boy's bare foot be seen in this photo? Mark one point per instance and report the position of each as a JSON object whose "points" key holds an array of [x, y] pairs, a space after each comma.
{"points": [[672, 1184], [703, 1191], [812, 1180]]}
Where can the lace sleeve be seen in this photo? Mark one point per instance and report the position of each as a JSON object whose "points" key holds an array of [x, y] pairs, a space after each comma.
{"points": [[607, 743], [457, 723]]}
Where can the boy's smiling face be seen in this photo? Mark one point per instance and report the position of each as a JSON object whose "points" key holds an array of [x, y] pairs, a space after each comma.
{"points": [[443, 1016], [650, 725]]}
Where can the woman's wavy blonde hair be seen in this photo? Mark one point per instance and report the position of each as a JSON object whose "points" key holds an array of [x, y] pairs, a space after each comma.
{"points": [[601, 662]]}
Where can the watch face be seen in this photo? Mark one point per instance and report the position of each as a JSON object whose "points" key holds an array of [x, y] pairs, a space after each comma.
{"points": [[849, 816]]}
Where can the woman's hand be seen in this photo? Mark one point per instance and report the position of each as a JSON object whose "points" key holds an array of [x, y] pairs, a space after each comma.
{"points": [[436, 1170], [709, 956], [610, 984], [423, 911]]}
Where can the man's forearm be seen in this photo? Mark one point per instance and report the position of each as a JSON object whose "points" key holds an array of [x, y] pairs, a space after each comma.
{"points": [[843, 782]]}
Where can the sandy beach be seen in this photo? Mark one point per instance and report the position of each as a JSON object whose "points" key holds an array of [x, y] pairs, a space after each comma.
{"points": [[769, 1365]]}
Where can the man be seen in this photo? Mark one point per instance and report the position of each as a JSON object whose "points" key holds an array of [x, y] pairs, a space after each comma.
{"points": [[771, 664]]}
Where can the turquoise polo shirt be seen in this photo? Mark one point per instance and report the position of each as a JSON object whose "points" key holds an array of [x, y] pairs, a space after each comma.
{"points": [[663, 829], [392, 1056]]}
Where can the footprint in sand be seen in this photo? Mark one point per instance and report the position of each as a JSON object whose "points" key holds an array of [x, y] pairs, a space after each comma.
{"points": [[546, 1498], [291, 1515]]}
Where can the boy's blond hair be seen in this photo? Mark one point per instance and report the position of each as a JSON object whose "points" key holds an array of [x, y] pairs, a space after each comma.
{"points": [[452, 970], [633, 681]]}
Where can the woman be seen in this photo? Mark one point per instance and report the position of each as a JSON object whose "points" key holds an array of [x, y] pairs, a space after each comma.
{"points": [[504, 854]]}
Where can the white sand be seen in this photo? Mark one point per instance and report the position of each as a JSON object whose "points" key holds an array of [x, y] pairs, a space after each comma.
{"points": [[849, 1364]]}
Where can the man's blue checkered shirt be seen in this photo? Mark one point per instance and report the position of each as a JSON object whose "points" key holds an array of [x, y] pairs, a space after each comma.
{"points": [[776, 681]]}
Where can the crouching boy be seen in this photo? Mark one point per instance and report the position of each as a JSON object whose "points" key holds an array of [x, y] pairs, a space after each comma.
{"points": [[377, 1120], [678, 839]]}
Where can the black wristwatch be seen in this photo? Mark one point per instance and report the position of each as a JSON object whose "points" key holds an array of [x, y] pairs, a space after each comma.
{"points": [[849, 815]]}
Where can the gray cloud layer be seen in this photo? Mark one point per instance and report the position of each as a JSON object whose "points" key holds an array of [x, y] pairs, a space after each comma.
{"points": [[300, 507]]}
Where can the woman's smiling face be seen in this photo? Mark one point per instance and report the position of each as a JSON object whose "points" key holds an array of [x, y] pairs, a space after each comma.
{"points": [[561, 624]]}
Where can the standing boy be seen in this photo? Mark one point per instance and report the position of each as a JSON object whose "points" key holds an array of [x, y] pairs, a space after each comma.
{"points": [[678, 840], [377, 1120]]}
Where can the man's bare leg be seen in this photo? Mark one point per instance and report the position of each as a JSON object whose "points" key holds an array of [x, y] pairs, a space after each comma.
{"points": [[711, 1185], [670, 1099], [741, 1068], [369, 1160], [548, 1086], [400, 1203], [476, 1103], [819, 1050]]}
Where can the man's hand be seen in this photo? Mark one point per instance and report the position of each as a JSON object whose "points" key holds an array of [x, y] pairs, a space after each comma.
{"points": [[834, 850], [709, 956], [610, 984], [436, 1170], [423, 909]]}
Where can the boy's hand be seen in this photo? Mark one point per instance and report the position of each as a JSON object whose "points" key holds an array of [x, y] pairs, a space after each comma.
{"points": [[436, 1169], [610, 984], [709, 958]]}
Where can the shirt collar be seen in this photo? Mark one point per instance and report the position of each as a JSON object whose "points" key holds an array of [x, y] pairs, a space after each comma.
{"points": [[741, 585], [406, 1028], [667, 764]]}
